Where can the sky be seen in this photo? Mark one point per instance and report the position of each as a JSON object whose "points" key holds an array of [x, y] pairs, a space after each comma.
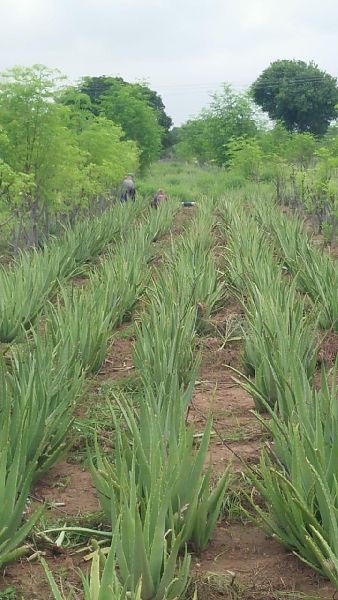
{"points": [[184, 49]]}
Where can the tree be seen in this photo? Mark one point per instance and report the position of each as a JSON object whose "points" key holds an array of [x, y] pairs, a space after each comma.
{"points": [[55, 156], [127, 107], [37, 143], [246, 157], [192, 141], [105, 94], [155, 101], [300, 95], [206, 138], [96, 87], [108, 156], [230, 115]]}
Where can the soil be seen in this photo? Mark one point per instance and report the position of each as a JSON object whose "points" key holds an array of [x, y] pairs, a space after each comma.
{"points": [[118, 362], [68, 487], [328, 342], [255, 566]]}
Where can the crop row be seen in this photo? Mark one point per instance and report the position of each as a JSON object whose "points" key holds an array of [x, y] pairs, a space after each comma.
{"points": [[298, 473], [35, 276], [155, 492], [315, 272], [42, 379]]}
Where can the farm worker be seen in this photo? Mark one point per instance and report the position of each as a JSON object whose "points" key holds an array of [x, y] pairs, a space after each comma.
{"points": [[127, 189], [158, 198]]}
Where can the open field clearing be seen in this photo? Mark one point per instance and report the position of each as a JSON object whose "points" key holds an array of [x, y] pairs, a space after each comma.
{"points": [[169, 422]]}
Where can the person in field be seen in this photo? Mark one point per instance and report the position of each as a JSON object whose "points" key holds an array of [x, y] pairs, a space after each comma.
{"points": [[128, 190], [159, 197]]}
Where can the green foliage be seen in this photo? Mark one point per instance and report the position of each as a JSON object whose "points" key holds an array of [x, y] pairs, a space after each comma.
{"points": [[299, 480], [206, 138], [24, 290], [108, 156], [163, 345], [192, 141], [185, 181], [246, 157], [56, 157], [95, 88], [278, 334], [163, 461], [15, 481], [302, 96], [127, 107], [26, 285], [136, 108], [143, 552], [102, 583], [230, 115], [160, 220], [42, 387], [314, 270]]}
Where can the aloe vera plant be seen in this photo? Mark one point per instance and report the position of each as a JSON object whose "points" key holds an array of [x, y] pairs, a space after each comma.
{"points": [[25, 287], [203, 287], [248, 255], [82, 318], [316, 273], [16, 478], [125, 274], [164, 343], [318, 276], [160, 220], [102, 583], [142, 549], [278, 333], [167, 456], [42, 386], [299, 477], [23, 292]]}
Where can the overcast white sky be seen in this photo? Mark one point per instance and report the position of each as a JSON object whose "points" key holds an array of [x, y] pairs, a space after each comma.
{"points": [[183, 48]]}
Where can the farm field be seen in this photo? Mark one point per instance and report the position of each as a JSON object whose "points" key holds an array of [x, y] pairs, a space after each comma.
{"points": [[143, 390]]}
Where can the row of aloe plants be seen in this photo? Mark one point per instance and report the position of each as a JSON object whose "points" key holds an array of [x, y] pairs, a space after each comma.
{"points": [[298, 472], [315, 271], [279, 328], [155, 491], [26, 285], [42, 379]]}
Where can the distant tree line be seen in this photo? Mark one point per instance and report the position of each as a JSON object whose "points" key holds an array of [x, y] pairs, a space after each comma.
{"points": [[298, 96], [296, 151], [64, 148]]}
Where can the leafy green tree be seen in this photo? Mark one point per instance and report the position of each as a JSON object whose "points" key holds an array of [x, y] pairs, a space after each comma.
{"points": [[246, 157], [80, 107], [206, 138], [56, 156], [300, 95], [108, 155], [37, 143], [192, 143], [96, 87], [128, 108], [155, 101], [230, 115], [105, 94]]}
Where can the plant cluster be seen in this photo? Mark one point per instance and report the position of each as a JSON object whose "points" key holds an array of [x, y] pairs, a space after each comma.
{"points": [[297, 475], [41, 379], [155, 490]]}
